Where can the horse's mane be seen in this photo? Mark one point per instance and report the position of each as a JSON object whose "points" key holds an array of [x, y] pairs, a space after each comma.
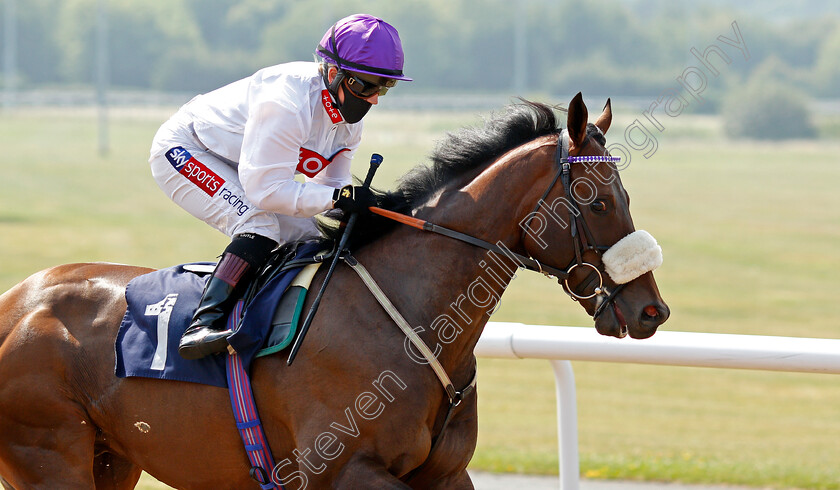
{"points": [[458, 153]]}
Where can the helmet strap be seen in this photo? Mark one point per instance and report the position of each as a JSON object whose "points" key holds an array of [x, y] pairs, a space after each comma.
{"points": [[354, 108], [335, 84], [339, 76]]}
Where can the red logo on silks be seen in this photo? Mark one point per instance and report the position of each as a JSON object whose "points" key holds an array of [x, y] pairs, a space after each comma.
{"points": [[329, 106], [310, 162]]}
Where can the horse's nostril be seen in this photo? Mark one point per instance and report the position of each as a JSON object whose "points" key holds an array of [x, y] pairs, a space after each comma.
{"points": [[655, 314]]}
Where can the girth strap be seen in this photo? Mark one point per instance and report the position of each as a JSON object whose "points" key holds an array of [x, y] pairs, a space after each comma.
{"points": [[247, 419]]}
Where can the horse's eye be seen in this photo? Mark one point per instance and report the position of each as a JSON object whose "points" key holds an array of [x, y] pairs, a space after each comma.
{"points": [[599, 206]]}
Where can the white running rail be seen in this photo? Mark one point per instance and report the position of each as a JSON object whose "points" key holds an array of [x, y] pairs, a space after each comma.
{"points": [[559, 345]]}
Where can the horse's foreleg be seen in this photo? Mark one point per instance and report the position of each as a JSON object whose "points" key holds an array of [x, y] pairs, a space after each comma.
{"points": [[363, 472], [46, 437], [112, 472], [55, 455], [446, 467], [458, 481]]}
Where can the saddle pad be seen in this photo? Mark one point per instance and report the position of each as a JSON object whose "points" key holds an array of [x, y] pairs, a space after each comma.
{"points": [[160, 307]]}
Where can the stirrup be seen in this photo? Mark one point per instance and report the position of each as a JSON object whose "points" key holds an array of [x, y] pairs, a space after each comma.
{"points": [[202, 342]]}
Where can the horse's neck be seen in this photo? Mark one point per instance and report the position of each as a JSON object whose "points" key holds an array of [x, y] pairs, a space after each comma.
{"points": [[448, 287]]}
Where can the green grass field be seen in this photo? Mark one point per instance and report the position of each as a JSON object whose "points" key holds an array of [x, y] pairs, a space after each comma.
{"points": [[750, 233]]}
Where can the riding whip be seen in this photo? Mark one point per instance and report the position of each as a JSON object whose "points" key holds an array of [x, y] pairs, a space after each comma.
{"points": [[375, 161]]}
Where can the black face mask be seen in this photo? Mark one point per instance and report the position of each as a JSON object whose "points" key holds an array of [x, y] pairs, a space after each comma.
{"points": [[354, 108]]}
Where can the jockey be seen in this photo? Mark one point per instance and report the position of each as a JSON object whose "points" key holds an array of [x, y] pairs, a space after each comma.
{"points": [[230, 156]]}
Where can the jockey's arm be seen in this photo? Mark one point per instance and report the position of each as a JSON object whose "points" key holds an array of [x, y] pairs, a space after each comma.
{"points": [[269, 160]]}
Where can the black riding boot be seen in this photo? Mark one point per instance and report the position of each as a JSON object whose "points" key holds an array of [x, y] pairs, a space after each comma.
{"points": [[208, 332]]}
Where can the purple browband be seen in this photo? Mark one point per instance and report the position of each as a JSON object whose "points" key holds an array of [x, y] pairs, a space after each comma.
{"points": [[593, 159]]}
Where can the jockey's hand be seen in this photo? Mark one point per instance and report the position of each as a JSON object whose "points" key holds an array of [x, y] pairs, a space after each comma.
{"points": [[353, 199]]}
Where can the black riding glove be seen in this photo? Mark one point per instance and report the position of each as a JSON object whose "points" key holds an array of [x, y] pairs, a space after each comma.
{"points": [[353, 199]]}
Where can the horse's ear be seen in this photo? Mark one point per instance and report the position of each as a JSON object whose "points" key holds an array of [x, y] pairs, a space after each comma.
{"points": [[576, 123], [605, 118]]}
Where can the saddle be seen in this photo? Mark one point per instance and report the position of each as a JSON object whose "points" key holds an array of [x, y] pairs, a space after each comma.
{"points": [[284, 322]]}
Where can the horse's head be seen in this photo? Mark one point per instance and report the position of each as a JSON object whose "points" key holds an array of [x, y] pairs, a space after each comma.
{"points": [[579, 226], [585, 213]]}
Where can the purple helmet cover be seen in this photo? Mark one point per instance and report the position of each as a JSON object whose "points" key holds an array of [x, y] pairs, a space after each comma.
{"points": [[364, 44]]}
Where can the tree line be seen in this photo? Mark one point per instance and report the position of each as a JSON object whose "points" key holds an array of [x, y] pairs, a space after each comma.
{"points": [[613, 47]]}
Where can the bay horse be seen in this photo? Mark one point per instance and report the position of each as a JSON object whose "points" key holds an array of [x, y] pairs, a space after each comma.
{"points": [[358, 408]]}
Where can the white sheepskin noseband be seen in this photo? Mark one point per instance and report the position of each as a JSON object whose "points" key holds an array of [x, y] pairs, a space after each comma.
{"points": [[632, 256]]}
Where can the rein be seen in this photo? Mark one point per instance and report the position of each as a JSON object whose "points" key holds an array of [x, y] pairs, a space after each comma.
{"points": [[581, 234], [526, 262]]}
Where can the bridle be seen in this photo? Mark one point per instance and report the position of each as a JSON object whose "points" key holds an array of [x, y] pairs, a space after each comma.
{"points": [[580, 231], [582, 237]]}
